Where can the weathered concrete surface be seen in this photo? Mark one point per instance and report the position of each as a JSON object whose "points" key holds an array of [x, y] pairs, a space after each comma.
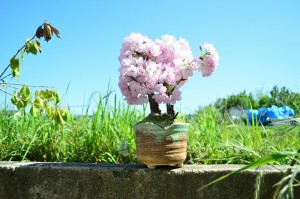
{"points": [[80, 180]]}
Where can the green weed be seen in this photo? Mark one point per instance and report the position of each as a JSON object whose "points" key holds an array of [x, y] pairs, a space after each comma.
{"points": [[107, 136]]}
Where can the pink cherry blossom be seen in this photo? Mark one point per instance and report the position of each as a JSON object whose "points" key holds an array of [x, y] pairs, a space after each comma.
{"points": [[159, 68], [210, 61]]}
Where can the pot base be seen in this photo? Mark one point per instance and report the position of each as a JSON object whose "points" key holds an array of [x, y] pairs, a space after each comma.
{"points": [[152, 166]]}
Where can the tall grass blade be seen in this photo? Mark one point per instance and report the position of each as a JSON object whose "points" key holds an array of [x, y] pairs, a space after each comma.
{"points": [[258, 182], [28, 148], [262, 161], [288, 175]]}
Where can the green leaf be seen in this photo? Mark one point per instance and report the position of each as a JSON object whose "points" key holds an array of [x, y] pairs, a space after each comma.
{"points": [[14, 99], [16, 73], [27, 100], [47, 94], [60, 118], [56, 99], [38, 45], [33, 111], [20, 104], [25, 91], [14, 63], [49, 111], [65, 114], [38, 102], [33, 48], [36, 94], [42, 94], [15, 67]]}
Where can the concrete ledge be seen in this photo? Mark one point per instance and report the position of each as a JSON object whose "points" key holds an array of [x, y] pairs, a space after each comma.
{"points": [[83, 180]]}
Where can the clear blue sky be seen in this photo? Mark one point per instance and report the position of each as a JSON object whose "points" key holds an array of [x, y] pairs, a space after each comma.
{"points": [[258, 43]]}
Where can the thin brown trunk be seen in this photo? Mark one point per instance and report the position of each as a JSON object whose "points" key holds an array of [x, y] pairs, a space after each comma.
{"points": [[170, 110], [154, 107]]}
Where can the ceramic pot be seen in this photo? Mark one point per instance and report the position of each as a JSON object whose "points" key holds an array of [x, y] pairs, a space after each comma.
{"points": [[157, 146]]}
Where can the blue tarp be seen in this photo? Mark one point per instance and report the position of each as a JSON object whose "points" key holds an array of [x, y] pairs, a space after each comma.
{"points": [[263, 114]]}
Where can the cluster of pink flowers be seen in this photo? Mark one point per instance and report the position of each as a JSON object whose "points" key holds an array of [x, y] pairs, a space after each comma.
{"points": [[159, 68]]}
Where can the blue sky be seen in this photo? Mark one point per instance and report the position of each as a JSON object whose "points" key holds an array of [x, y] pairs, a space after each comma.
{"points": [[258, 43]]}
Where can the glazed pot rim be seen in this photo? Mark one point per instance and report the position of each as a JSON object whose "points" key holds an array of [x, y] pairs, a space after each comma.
{"points": [[167, 127]]}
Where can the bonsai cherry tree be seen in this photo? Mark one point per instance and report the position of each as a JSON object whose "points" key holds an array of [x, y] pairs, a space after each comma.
{"points": [[154, 71]]}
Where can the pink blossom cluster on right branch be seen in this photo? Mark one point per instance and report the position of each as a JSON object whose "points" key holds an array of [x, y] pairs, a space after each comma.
{"points": [[208, 61]]}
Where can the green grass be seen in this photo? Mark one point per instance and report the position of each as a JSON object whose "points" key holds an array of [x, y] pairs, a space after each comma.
{"points": [[213, 140], [107, 137]]}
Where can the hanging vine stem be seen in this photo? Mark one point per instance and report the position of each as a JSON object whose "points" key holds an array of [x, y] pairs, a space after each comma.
{"points": [[27, 42], [20, 85]]}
